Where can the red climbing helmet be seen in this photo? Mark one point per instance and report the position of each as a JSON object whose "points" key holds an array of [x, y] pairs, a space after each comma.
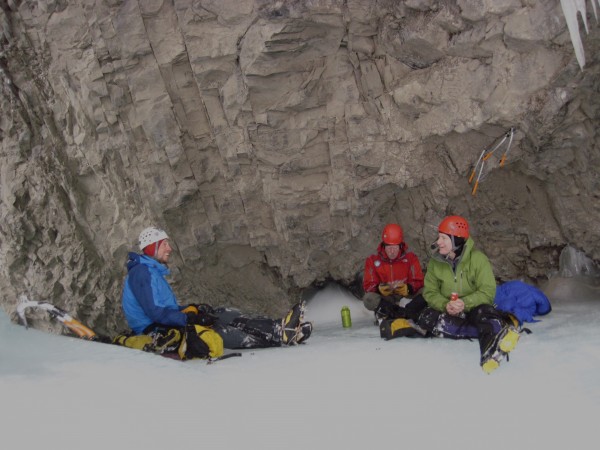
{"points": [[392, 234], [454, 226]]}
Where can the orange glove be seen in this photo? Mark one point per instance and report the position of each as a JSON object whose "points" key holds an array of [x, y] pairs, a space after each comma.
{"points": [[402, 290], [385, 289], [190, 309]]}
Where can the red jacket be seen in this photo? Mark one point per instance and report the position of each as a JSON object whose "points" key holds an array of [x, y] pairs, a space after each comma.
{"points": [[380, 269]]}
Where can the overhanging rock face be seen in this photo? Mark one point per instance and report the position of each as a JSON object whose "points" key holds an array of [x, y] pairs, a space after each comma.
{"points": [[274, 140]]}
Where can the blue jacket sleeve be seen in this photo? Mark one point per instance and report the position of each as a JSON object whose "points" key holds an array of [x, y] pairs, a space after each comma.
{"points": [[140, 282]]}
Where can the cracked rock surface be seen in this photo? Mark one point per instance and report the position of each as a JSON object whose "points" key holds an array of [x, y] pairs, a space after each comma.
{"points": [[273, 140]]}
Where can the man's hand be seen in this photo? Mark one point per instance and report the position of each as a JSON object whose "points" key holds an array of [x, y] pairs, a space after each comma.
{"points": [[455, 307], [190, 309], [204, 308], [205, 320], [385, 289], [200, 308], [401, 289]]}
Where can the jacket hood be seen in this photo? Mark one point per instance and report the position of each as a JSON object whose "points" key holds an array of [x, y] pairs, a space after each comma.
{"points": [[466, 253], [135, 259]]}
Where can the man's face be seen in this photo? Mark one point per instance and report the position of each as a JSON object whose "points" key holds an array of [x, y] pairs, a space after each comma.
{"points": [[164, 252], [392, 251]]}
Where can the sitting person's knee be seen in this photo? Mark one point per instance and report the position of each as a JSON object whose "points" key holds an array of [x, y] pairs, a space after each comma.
{"points": [[371, 300]]}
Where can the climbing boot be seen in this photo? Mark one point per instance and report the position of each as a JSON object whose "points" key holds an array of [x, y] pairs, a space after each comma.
{"points": [[502, 344], [291, 324], [393, 328]]}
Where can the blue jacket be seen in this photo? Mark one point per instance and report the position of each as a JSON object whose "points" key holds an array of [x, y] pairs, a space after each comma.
{"points": [[522, 300], [148, 297]]}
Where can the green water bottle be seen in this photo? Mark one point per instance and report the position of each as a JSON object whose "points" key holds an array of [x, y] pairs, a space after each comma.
{"points": [[346, 319]]}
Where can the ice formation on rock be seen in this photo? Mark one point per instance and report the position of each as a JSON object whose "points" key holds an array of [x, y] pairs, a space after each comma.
{"points": [[570, 10]]}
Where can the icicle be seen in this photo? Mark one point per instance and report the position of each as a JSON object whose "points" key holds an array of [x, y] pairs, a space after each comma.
{"points": [[570, 9], [574, 263]]}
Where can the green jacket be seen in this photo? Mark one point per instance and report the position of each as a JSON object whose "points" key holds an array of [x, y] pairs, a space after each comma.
{"points": [[473, 280]]}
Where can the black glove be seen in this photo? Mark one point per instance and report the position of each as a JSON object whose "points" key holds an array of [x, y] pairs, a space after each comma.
{"points": [[206, 320], [389, 310], [204, 308]]}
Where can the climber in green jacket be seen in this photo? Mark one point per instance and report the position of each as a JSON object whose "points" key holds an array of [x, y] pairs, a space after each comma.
{"points": [[458, 298], [458, 267]]}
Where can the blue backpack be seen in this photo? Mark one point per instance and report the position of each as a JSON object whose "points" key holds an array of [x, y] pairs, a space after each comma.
{"points": [[522, 300]]}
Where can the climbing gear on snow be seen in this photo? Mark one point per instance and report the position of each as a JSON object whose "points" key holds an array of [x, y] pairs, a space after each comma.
{"points": [[293, 328], [486, 154], [393, 328], [304, 332], [200, 342], [73, 325], [290, 323], [225, 356], [503, 343], [137, 342]]}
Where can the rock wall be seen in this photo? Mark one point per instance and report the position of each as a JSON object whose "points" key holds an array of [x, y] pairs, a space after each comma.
{"points": [[274, 139]]}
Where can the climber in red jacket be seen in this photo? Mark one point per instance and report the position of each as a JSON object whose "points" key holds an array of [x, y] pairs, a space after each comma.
{"points": [[392, 274]]}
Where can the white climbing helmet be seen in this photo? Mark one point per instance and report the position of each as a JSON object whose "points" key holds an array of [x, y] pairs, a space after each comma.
{"points": [[151, 235]]}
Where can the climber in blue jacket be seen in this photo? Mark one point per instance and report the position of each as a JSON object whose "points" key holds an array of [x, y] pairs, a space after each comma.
{"points": [[149, 303]]}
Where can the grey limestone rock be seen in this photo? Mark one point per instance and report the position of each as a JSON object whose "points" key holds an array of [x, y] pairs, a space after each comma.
{"points": [[273, 140]]}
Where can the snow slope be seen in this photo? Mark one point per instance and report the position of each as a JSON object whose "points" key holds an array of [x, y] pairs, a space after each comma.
{"points": [[345, 388]]}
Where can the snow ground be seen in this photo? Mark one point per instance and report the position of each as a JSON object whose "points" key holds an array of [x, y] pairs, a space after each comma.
{"points": [[345, 388]]}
